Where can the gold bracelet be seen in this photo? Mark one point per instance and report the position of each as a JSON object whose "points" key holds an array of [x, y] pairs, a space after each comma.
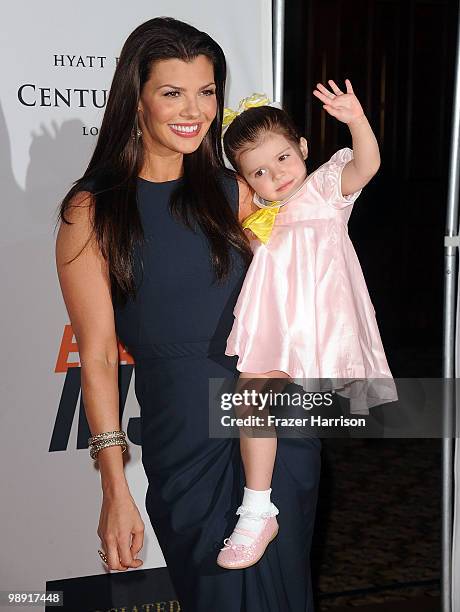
{"points": [[95, 448], [104, 435], [105, 439]]}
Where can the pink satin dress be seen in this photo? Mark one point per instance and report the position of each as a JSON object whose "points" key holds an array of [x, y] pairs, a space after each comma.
{"points": [[304, 308]]}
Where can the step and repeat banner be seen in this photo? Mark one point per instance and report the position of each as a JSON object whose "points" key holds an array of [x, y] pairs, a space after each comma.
{"points": [[57, 63]]}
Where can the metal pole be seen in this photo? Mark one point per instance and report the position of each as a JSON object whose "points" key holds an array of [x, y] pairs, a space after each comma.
{"points": [[451, 243], [278, 50]]}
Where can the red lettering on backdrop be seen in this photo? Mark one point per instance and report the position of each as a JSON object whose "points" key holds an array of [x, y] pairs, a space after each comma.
{"points": [[69, 345], [123, 355]]}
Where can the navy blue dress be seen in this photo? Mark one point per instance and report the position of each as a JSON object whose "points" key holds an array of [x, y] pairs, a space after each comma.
{"points": [[176, 331]]}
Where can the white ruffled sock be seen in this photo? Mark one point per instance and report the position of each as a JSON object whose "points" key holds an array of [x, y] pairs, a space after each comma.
{"points": [[254, 503]]}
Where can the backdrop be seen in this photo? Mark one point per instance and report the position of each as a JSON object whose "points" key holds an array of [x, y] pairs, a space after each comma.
{"points": [[57, 62]]}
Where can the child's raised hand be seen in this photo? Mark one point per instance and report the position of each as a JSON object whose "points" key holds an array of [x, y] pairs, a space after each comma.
{"points": [[343, 106]]}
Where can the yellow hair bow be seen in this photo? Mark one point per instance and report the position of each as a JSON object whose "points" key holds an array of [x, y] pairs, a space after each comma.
{"points": [[261, 222], [250, 102]]}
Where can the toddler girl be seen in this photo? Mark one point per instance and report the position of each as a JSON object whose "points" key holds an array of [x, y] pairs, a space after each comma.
{"points": [[304, 311]]}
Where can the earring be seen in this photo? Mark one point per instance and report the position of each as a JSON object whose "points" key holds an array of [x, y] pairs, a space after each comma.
{"points": [[137, 130]]}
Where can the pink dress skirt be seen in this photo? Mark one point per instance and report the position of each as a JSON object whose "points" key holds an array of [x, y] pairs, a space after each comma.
{"points": [[304, 308]]}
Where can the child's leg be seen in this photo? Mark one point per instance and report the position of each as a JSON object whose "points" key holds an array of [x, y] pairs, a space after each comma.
{"points": [[258, 455]]}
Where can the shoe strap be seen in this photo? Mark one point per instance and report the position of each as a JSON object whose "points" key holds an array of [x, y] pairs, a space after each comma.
{"points": [[245, 532]]}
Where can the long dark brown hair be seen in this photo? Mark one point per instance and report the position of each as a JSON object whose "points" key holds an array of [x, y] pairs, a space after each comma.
{"points": [[111, 175], [248, 127]]}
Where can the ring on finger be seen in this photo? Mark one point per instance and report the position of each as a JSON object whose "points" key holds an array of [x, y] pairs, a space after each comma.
{"points": [[102, 555]]}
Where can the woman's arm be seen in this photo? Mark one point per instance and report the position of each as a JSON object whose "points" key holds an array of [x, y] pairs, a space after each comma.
{"points": [[86, 291]]}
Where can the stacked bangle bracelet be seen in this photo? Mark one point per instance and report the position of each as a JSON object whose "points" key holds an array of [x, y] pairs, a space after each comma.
{"points": [[105, 439]]}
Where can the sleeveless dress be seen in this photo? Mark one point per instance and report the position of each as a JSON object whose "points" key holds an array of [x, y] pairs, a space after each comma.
{"points": [[304, 307], [176, 330]]}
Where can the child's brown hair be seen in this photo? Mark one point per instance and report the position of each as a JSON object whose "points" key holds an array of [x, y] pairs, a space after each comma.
{"points": [[248, 127]]}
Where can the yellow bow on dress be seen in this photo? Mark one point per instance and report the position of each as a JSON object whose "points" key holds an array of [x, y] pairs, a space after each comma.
{"points": [[250, 102], [261, 222]]}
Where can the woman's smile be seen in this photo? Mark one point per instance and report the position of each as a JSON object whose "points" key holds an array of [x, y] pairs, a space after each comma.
{"points": [[185, 130]]}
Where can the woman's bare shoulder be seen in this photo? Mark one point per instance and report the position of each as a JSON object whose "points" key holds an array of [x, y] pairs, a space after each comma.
{"points": [[76, 222], [246, 204]]}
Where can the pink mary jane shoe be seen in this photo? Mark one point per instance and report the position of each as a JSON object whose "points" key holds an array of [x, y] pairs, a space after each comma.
{"points": [[237, 556]]}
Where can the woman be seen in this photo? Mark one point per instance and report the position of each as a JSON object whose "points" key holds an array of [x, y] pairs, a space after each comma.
{"points": [[156, 255]]}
